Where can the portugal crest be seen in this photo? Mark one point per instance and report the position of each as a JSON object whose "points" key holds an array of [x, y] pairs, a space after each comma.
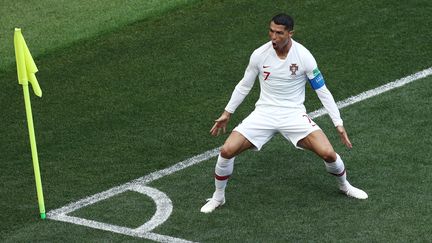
{"points": [[293, 68]]}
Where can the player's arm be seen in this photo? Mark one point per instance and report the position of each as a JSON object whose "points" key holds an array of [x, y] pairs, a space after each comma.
{"points": [[326, 98], [317, 82], [329, 104], [241, 90]]}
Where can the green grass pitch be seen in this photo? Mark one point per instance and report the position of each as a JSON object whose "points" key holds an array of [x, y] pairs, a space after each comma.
{"points": [[130, 89]]}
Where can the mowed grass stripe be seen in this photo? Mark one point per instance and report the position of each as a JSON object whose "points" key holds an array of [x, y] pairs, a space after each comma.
{"points": [[49, 24], [116, 107]]}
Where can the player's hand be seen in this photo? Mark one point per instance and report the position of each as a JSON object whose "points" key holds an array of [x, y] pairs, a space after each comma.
{"points": [[220, 124], [344, 136]]}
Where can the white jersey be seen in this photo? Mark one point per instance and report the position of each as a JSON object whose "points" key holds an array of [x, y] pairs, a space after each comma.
{"points": [[282, 81]]}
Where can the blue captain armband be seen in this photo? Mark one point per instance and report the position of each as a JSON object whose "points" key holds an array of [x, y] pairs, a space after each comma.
{"points": [[318, 80]]}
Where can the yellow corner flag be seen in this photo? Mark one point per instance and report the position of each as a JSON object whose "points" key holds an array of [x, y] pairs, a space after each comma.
{"points": [[26, 69], [26, 66]]}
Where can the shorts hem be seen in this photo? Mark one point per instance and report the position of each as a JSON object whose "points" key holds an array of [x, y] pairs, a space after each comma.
{"points": [[255, 147], [307, 134]]}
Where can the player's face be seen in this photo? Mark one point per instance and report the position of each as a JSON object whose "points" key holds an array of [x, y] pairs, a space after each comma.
{"points": [[279, 36]]}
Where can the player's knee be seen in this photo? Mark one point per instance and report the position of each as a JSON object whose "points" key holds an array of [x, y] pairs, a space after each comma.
{"points": [[227, 151], [328, 155]]}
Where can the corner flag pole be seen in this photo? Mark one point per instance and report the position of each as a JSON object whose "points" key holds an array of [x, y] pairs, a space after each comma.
{"points": [[26, 69]]}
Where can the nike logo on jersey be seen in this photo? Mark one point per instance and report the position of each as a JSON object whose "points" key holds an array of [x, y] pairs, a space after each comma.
{"points": [[266, 66]]}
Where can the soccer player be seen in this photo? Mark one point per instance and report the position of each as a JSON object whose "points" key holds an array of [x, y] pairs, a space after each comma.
{"points": [[283, 66]]}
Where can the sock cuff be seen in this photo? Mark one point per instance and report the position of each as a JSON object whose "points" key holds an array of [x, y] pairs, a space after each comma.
{"points": [[222, 160], [336, 168], [224, 168]]}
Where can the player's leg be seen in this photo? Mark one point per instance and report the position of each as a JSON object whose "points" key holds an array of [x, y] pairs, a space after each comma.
{"points": [[318, 142], [234, 145], [253, 132]]}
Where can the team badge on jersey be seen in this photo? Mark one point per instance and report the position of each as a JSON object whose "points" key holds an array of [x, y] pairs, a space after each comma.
{"points": [[293, 68]]}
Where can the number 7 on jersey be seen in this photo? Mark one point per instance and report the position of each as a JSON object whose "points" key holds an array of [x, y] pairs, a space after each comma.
{"points": [[267, 74]]}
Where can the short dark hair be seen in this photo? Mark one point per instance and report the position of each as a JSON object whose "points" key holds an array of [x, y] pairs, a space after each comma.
{"points": [[284, 19]]}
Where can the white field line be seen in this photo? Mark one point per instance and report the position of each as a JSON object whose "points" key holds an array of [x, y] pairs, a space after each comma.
{"points": [[163, 203], [374, 92], [140, 181]]}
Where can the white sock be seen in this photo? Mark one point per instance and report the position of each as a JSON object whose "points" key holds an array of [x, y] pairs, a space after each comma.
{"points": [[223, 170], [337, 169]]}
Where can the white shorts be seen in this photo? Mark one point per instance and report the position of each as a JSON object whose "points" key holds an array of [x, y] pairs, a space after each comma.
{"points": [[261, 125]]}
